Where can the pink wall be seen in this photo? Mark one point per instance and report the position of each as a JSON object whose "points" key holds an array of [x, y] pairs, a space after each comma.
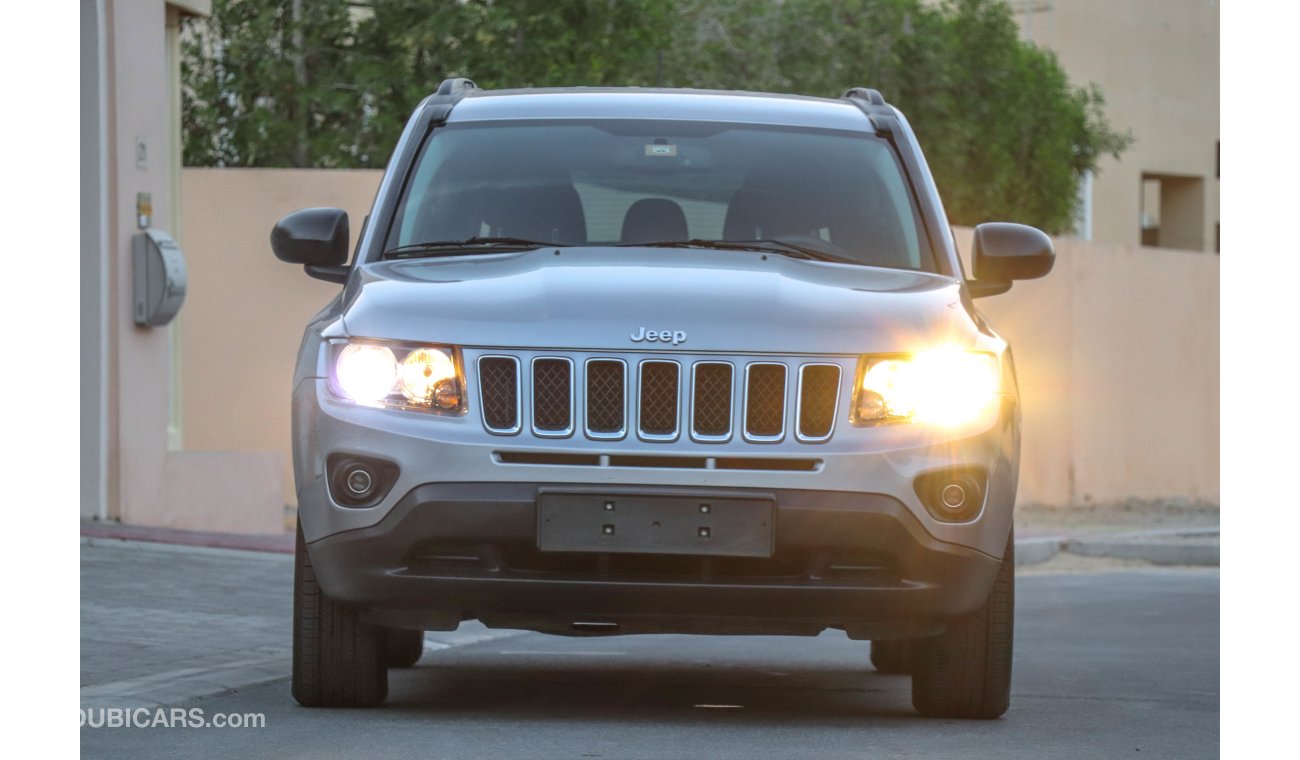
{"points": [[150, 482], [1117, 353], [140, 358], [246, 310]]}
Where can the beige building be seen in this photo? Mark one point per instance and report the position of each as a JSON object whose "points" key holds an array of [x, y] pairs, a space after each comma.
{"points": [[134, 466], [1157, 63]]}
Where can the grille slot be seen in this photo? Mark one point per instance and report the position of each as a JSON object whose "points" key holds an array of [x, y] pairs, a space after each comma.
{"points": [[765, 402], [498, 382], [606, 398], [552, 396], [658, 400], [819, 391], [711, 401], [760, 399]]}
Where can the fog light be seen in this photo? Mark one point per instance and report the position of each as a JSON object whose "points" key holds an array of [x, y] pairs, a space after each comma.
{"points": [[359, 480], [953, 495]]}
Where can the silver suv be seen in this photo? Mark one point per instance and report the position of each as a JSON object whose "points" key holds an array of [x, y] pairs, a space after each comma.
{"points": [[617, 361]]}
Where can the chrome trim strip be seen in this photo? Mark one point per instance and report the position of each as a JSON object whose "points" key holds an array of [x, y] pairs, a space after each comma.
{"points": [[532, 385], [731, 401], [586, 417], [785, 395], [519, 395], [677, 426], [798, 404]]}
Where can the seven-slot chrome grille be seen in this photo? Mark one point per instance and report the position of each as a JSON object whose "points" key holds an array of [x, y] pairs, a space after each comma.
{"points": [[653, 398]]}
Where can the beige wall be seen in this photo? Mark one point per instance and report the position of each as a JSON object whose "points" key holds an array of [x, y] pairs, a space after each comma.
{"points": [[146, 478], [1117, 349], [139, 359], [246, 310], [1157, 63], [1117, 352]]}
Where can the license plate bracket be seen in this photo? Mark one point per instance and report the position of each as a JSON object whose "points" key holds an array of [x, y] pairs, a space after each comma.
{"points": [[726, 526]]}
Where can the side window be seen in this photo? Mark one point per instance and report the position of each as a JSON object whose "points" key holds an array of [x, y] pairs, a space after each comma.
{"points": [[417, 198], [900, 204]]}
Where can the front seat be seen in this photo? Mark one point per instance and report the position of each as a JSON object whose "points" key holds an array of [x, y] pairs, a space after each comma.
{"points": [[652, 220], [549, 212]]}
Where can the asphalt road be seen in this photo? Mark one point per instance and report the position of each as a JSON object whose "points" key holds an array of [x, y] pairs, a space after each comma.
{"points": [[1108, 664]]}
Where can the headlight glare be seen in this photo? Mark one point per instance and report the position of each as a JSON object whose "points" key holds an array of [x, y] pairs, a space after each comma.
{"points": [[366, 373], [400, 376], [944, 386], [424, 371]]}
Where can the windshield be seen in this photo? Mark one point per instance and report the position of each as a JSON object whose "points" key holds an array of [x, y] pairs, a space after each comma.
{"points": [[646, 182]]}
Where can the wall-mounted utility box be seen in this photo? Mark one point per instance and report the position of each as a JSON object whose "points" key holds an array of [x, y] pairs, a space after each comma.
{"points": [[159, 274]]}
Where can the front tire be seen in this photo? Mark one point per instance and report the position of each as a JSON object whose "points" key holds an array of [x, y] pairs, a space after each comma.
{"points": [[966, 671], [338, 661], [404, 647], [892, 657]]}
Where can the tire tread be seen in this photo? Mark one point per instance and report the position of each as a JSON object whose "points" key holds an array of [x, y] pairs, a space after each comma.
{"points": [[965, 672], [338, 660]]}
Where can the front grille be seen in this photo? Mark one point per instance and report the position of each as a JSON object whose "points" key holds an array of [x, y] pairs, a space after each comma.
{"points": [[761, 399], [498, 382], [765, 402], [605, 397], [659, 412], [711, 401], [819, 391], [552, 396]]}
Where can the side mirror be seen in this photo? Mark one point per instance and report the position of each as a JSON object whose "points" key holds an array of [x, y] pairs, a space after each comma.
{"points": [[317, 238], [1003, 252]]}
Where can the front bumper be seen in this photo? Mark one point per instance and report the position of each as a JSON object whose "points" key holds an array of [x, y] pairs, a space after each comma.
{"points": [[456, 536], [453, 551]]}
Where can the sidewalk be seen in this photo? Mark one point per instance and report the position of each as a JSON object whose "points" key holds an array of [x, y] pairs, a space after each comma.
{"points": [[165, 623], [167, 618]]}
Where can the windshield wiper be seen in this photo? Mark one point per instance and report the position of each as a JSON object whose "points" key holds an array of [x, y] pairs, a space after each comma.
{"points": [[432, 248], [767, 245]]}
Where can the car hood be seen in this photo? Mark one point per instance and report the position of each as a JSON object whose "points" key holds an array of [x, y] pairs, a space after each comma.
{"points": [[599, 298]]}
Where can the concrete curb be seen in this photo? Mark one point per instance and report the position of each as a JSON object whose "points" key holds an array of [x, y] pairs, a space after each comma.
{"points": [[278, 543], [1196, 547], [1035, 551], [1200, 553]]}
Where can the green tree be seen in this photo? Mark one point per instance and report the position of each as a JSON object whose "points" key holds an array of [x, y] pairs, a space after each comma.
{"points": [[1006, 134], [268, 84], [331, 82], [409, 46]]}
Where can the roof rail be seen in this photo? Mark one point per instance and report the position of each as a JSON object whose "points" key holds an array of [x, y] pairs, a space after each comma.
{"points": [[455, 85], [873, 104], [865, 93], [439, 104]]}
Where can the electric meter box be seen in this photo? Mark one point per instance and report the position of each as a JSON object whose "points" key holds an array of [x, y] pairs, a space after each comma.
{"points": [[159, 273]]}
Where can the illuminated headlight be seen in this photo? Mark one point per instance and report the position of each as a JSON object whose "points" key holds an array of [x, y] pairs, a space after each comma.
{"points": [[403, 376], [944, 386]]}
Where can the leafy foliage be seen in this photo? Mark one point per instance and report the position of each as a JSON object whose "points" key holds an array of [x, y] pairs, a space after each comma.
{"points": [[331, 82]]}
